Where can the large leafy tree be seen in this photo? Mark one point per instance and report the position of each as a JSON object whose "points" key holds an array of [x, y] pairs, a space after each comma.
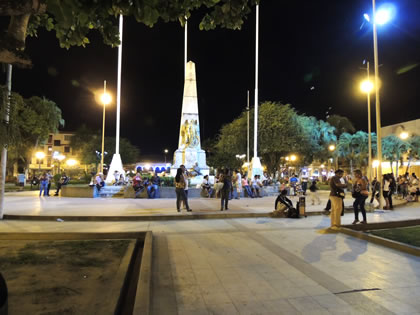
{"points": [[342, 124], [30, 123], [72, 20], [86, 143], [394, 148]]}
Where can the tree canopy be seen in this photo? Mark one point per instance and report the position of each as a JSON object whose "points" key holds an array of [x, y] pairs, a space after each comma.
{"points": [[86, 143], [281, 131], [73, 20], [30, 122]]}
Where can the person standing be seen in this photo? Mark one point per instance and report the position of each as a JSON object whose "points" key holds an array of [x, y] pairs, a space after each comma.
{"points": [[238, 185], [50, 179], [336, 197], [314, 193], [186, 176], [360, 193], [180, 190], [226, 179], [43, 184], [386, 191]]}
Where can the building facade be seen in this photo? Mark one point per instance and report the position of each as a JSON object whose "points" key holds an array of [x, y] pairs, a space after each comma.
{"points": [[55, 154]]}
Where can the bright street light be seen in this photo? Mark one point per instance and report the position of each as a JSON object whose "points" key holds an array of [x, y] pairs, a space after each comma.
{"points": [[404, 135], [106, 98], [331, 147], [71, 162], [293, 157], [366, 86], [39, 155]]}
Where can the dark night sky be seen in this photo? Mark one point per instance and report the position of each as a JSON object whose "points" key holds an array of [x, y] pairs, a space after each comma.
{"points": [[317, 40]]}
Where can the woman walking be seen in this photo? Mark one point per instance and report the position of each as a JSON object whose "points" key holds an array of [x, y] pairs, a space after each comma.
{"points": [[360, 193], [180, 190], [43, 184], [386, 192], [226, 179]]}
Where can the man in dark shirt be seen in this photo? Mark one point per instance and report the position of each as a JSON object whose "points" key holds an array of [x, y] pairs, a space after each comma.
{"points": [[336, 197]]}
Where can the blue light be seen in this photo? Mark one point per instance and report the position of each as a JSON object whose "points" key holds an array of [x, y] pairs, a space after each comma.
{"points": [[367, 17], [385, 13]]}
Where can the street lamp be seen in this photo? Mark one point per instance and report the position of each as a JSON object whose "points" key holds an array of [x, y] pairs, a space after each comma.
{"points": [[71, 162], [59, 158], [39, 155], [404, 135], [366, 87], [105, 99], [383, 16], [293, 158]]}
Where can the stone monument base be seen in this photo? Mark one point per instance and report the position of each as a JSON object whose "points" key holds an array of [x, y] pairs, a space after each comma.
{"points": [[191, 158], [256, 168], [116, 165]]}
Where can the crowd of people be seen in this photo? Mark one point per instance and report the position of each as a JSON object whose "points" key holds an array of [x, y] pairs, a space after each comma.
{"points": [[45, 180]]}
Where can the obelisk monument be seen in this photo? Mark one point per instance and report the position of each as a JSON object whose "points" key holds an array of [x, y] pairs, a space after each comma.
{"points": [[189, 151]]}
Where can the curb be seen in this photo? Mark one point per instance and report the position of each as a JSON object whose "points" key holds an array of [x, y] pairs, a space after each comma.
{"points": [[144, 283], [137, 218], [409, 249]]}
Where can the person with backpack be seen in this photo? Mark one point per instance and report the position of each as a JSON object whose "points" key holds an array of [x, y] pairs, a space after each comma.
{"points": [[180, 182], [360, 193]]}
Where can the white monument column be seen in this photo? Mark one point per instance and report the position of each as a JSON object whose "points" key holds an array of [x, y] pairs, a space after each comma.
{"points": [[256, 163], [116, 163], [189, 150]]}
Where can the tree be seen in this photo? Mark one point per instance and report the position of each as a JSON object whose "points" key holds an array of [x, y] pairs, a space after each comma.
{"points": [[31, 121], [73, 20], [86, 143], [393, 149], [342, 124]]}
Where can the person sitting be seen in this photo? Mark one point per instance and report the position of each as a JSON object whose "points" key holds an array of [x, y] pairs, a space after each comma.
{"points": [[205, 185], [99, 181], [121, 181], [64, 180], [153, 188], [138, 185], [256, 186], [246, 187], [285, 205], [196, 170]]}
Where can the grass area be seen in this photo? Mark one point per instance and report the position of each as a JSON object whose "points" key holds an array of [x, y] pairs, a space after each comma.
{"points": [[62, 277], [407, 235]]}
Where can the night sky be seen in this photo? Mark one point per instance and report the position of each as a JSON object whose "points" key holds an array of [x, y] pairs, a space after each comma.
{"points": [[310, 56]]}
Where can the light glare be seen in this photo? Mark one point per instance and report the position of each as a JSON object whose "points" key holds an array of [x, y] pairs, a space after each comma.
{"points": [[106, 98], [366, 86]]}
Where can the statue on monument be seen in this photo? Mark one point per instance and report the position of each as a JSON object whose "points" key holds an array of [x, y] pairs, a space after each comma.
{"points": [[189, 151]]}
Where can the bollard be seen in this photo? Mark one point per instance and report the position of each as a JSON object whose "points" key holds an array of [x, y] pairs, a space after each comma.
{"points": [[302, 206], [3, 296]]}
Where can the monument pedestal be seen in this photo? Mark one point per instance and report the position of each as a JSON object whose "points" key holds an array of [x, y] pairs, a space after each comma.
{"points": [[256, 168], [189, 151], [116, 165]]}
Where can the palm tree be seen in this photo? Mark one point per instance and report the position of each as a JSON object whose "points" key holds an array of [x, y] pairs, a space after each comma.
{"points": [[345, 148], [393, 149], [414, 150]]}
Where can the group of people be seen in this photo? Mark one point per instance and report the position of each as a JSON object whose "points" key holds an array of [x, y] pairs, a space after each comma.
{"points": [[152, 185], [361, 191], [45, 181], [238, 184]]}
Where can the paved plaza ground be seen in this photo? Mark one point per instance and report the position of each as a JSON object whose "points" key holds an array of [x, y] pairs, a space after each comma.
{"points": [[250, 265]]}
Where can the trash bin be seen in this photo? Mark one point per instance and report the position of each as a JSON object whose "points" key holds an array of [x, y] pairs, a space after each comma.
{"points": [[3, 296], [302, 206], [21, 179]]}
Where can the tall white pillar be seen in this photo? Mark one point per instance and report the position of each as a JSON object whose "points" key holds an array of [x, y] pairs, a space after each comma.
{"points": [[185, 48], [116, 163], [256, 163]]}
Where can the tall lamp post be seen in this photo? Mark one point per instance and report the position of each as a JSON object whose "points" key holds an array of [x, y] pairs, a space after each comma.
{"points": [[380, 17], [367, 87], [105, 99]]}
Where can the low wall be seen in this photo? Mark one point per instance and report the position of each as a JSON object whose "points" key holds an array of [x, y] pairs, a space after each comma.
{"points": [[80, 192], [164, 192]]}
